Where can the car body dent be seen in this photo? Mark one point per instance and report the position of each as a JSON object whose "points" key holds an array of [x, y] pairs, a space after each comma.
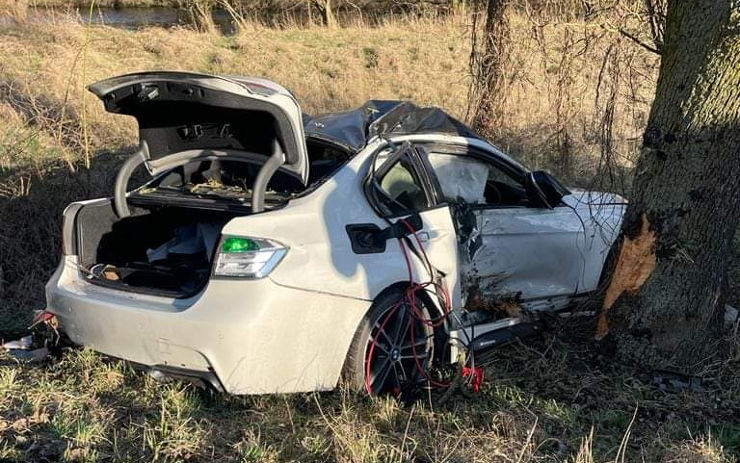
{"points": [[527, 254]]}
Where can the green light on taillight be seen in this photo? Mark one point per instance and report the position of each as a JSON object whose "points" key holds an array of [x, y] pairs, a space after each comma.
{"points": [[235, 244]]}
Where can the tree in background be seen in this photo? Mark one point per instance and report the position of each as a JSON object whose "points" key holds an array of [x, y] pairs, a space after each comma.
{"points": [[488, 62], [664, 305], [201, 14], [328, 12]]}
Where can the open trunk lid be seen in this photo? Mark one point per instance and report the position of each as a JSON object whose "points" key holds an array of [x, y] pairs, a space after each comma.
{"points": [[180, 111], [184, 117]]}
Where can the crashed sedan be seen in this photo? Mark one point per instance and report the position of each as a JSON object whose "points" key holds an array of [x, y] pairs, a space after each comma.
{"points": [[274, 252]]}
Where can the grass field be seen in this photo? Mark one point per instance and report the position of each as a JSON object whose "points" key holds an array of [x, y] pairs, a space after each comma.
{"points": [[577, 94], [549, 401]]}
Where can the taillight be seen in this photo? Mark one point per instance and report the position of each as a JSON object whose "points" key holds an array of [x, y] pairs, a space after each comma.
{"points": [[246, 257]]}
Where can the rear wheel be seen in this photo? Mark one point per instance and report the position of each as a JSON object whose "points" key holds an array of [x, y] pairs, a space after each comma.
{"points": [[392, 347]]}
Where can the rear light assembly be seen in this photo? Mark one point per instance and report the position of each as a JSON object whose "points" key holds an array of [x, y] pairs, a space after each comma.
{"points": [[247, 257]]}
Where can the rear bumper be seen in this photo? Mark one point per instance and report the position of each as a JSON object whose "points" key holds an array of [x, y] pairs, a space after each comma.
{"points": [[255, 336]]}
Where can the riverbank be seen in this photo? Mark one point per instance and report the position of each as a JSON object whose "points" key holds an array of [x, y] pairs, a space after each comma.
{"points": [[63, 4]]}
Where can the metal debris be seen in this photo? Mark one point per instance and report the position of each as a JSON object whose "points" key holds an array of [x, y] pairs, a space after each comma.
{"points": [[668, 381], [23, 343], [20, 349], [35, 355]]}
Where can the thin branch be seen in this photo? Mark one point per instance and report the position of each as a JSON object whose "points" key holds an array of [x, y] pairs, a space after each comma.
{"points": [[639, 42]]}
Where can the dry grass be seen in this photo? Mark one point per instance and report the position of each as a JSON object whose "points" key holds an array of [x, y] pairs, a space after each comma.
{"points": [[549, 402], [558, 69]]}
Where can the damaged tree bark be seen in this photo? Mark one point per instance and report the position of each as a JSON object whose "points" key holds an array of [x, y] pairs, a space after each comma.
{"points": [[663, 307], [488, 67]]}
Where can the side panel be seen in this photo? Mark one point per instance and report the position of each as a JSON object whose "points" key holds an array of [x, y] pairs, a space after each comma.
{"points": [[602, 215], [320, 256], [440, 244], [524, 254], [537, 256]]}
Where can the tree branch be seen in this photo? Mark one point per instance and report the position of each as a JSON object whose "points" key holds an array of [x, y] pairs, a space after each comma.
{"points": [[640, 42]]}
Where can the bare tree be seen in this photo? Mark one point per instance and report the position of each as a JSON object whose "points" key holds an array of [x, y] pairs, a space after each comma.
{"points": [[201, 14], [326, 8], [664, 305], [488, 63], [655, 16]]}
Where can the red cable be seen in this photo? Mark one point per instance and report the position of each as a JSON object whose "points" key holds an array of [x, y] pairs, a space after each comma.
{"points": [[417, 313], [418, 241], [418, 364], [368, 386], [410, 296]]}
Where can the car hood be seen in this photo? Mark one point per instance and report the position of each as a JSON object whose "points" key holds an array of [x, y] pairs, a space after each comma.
{"points": [[182, 112]]}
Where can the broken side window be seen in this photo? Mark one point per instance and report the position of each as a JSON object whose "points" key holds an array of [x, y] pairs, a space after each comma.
{"points": [[474, 181]]}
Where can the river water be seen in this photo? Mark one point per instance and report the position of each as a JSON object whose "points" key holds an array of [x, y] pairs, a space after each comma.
{"points": [[128, 18]]}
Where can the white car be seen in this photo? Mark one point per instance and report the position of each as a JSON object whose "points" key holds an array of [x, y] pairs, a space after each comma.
{"points": [[274, 252]]}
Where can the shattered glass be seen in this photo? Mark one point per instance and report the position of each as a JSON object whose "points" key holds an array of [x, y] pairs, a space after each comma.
{"points": [[461, 178]]}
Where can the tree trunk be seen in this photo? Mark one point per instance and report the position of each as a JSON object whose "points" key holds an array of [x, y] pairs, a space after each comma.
{"points": [[489, 70], [201, 15], [331, 20], [664, 305]]}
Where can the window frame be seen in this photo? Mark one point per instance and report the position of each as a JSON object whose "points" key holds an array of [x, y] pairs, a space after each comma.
{"points": [[411, 153]]}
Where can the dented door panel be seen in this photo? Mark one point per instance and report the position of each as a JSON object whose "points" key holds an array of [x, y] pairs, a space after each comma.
{"points": [[440, 245], [522, 254], [601, 214]]}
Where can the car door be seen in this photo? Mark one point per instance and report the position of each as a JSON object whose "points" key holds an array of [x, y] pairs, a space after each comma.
{"points": [[509, 251], [400, 188]]}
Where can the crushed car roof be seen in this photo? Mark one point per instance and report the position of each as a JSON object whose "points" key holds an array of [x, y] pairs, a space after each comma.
{"points": [[353, 128]]}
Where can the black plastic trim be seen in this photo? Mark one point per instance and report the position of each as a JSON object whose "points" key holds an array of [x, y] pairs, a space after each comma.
{"points": [[504, 336], [207, 379]]}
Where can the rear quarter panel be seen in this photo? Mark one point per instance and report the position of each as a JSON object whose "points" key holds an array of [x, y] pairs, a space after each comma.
{"points": [[320, 256]]}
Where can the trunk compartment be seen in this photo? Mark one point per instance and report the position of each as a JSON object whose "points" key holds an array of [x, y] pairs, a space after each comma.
{"points": [[161, 250]]}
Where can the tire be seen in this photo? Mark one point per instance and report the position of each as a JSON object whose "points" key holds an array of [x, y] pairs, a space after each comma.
{"points": [[398, 362]]}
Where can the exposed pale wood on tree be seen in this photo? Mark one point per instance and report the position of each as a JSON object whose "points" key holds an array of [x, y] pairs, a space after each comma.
{"points": [[635, 264]]}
